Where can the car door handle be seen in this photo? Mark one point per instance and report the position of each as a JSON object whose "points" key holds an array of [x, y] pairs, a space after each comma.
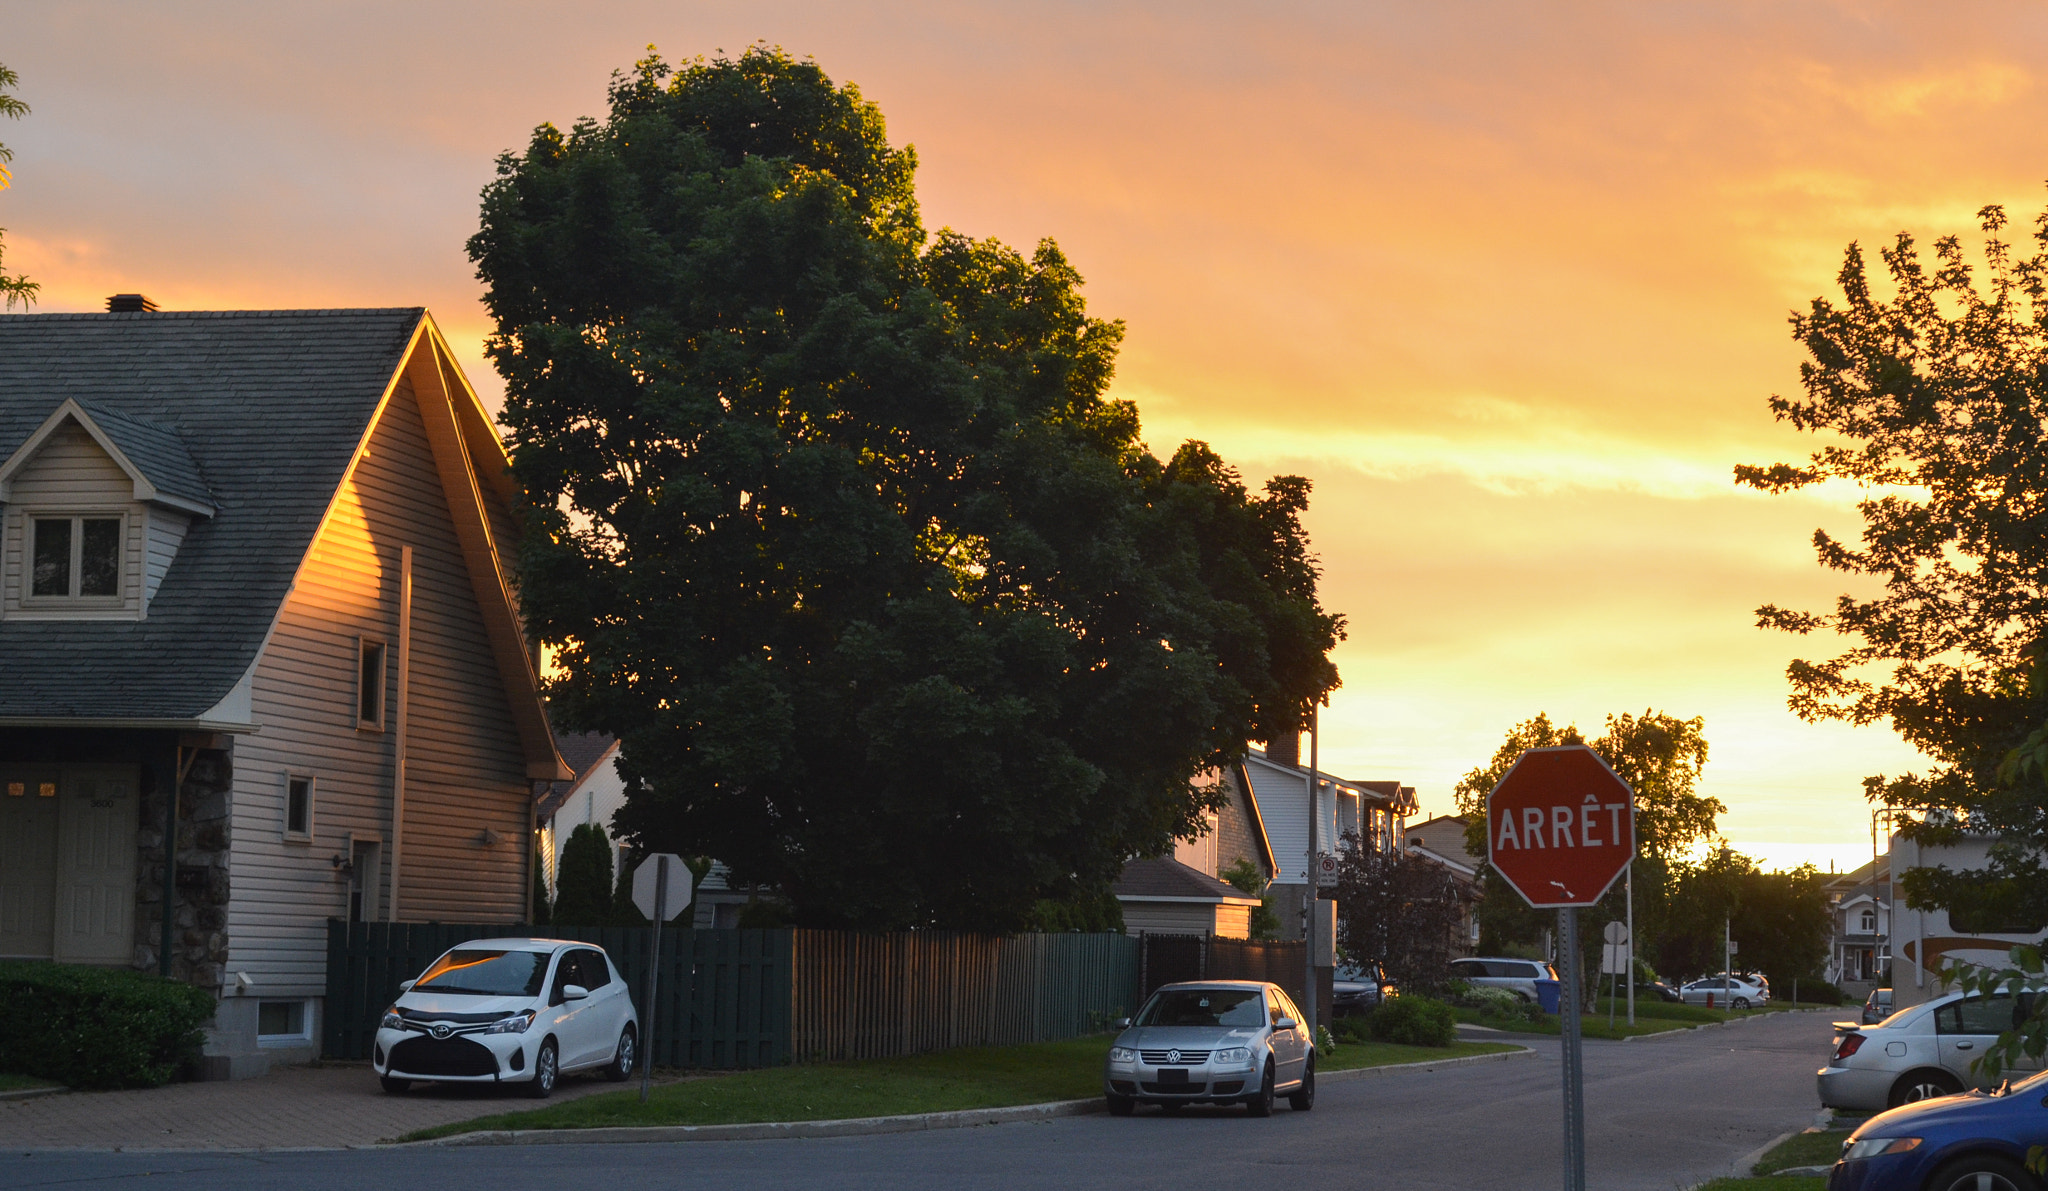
{"points": [[1965, 1045]]}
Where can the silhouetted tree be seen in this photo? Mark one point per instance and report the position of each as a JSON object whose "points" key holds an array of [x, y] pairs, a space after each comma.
{"points": [[583, 884]]}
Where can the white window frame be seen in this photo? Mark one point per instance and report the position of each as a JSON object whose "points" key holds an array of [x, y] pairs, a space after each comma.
{"points": [[364, 644], [312, 802], [31, 602], [305, 1032]]}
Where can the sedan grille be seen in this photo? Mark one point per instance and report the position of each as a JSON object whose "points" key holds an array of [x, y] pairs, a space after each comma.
{"points": [[1174, 1057], [430, 1057]]}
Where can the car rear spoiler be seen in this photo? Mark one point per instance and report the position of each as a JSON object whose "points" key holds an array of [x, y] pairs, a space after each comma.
{"points": [[1848, 1027]]}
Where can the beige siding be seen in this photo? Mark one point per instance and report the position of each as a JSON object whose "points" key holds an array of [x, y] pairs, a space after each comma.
{"points": [[1172, 918], [166, 532], [465, 769], [70, 474]]}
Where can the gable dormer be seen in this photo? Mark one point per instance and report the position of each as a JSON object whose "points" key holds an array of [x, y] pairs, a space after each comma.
{"points": [[93, 507]]}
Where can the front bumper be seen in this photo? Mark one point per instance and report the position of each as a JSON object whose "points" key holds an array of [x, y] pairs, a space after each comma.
{"points": [[1198, 1085], [460, 1058], [1854, 1087]]}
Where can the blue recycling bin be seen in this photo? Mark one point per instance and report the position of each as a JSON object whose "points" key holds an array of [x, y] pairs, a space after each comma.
{"points": [[1546, 995]]}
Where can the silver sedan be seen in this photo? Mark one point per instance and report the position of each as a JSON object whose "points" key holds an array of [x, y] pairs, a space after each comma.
{"points": [[1212, 1042], [1917, 1053]]}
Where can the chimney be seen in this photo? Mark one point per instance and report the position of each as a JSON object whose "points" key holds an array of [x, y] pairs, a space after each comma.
{"points": [[129, 304], [1285, 749]]}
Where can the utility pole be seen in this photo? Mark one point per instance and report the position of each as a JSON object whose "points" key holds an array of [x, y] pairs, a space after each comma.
{"points": [[1631, 940], [1314, 925]]}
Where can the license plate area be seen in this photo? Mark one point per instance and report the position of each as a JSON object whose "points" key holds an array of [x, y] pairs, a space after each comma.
{"points": [[1173, 1075]]}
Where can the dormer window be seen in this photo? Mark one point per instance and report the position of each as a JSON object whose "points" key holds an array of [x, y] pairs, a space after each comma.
{"points": [[76, 559]]}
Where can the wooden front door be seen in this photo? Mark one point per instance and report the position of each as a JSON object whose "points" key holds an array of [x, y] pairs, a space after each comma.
{"points": [[28, 861], [97, 809]]}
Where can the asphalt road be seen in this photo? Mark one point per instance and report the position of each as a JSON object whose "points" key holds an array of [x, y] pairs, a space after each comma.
{"points": [[1662, 1114]]}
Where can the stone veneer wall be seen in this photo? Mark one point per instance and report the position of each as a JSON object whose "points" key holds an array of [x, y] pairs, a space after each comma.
{"points": [[199, 912]]}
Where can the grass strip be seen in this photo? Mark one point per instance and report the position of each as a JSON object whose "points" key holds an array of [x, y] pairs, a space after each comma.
{"points": [[20, 1083], [1803, 1149], [1589, 1027], [1774, 1182], [947, 1081]]}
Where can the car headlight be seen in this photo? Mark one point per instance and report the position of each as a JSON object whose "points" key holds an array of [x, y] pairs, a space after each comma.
{"points": [[515, 1024], [1871, 1147], [1122, 1054], [391, 1021], [1237, 1055]]}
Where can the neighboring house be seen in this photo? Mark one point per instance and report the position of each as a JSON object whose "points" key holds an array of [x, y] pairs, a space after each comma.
{"points": [[592, 796], [1164, 896], [255, 560], [1925, 940], [1441, 841], [1860, 927], [1374, 811], [1233, 833]]}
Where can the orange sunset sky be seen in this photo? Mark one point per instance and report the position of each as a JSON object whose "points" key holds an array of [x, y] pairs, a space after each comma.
{"points": [[1509, 281]]}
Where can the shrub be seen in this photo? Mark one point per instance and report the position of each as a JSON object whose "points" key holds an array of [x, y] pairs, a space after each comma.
{"points": [[98, 1027], [583, 883], [1414, 1021], [1810, 989]]}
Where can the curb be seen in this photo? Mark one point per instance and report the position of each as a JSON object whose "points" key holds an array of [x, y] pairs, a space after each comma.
{"points": [[869, 1126], [30, 1093], [1681, 1031]]}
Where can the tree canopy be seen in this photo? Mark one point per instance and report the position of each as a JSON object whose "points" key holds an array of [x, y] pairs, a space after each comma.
{"points": [[15, 288], [832, 522], [1932, 401]]}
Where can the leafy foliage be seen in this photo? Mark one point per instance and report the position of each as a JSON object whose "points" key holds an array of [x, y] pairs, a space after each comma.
{"points": [[1932, 401], [1398, 908], [583, 882], [832, 522], [93, 1028], [1414, 1021], [16, 288]]}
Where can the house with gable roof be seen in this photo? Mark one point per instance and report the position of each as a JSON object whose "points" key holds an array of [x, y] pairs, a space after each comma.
{"points": [[260, 659]]}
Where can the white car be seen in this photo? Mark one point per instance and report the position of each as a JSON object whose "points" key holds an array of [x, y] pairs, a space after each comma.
{"points": [[521, 1011], [1728, 992], [1920, 1052], [1518, 976]]}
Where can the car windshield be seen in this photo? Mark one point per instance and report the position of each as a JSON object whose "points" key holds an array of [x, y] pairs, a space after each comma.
{"points": [[1204, 1007], [482, 973]]}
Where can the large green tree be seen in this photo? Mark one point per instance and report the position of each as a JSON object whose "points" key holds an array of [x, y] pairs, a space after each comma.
{"points": [[1931, 398], [832, 523], [15, 288]]}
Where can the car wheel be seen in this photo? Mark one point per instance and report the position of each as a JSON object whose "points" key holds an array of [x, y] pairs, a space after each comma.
{"points": [[393, 1085], [1923, 1085], [545, 1069], [1741, 1002], [1120, 1106], [621, 1065], [1261, 1103], [1982, 1172], [1305, 1098]]}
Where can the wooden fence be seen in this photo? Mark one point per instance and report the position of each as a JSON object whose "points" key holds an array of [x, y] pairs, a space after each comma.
{"points": [[724, 995], [1164, 959], [861, 996]]}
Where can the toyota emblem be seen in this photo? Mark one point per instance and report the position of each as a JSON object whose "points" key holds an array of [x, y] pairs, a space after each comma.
{"points": [[1173, 1056], [444, 1029]]}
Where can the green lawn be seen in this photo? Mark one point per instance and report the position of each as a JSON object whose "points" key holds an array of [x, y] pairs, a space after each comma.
{"points": [[956, 1079], [1776, 1182], [1589, 1026], [1804, 1149], [16, 1083]]}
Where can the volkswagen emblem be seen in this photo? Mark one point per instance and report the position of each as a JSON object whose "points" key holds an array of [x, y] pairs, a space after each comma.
{"points": [[444, 1029], [1173, 1056]]}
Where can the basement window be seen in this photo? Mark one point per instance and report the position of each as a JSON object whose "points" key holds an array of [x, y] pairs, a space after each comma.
{"points": [[282, 1023]]}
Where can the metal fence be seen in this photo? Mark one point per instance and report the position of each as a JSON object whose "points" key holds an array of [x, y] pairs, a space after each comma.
{"points": [[861, 996], [724, 995]]}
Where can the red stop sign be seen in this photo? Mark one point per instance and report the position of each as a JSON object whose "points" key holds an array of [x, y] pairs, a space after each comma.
{"points": [[1560, 826]]}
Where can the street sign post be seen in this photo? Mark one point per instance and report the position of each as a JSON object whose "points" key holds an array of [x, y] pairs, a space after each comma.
{"points": [[1560, 827], [661, 889]]}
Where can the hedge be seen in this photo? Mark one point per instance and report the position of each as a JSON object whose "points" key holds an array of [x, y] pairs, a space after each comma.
{"points": [[96, 1028], [1414, 1021]]}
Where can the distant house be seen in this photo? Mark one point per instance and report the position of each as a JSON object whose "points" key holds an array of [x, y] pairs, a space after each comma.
{"points": [[1372, 811], [255, 560], [1860, 926], [1164, 896], [593, 795], [1441, 841]]}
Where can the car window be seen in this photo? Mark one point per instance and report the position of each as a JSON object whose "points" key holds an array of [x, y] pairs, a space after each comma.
{"points": [[1287, 1005], [1466, 969], [595, 972], [482, 973], [1202, 1007], [1982, 1015]]}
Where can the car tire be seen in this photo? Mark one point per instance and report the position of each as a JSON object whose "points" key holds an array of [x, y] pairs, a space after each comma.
{"points": [[1260, 1104], [1120, 1106], [1915, 1086], [1304, 1098], [623, 1056], [393, 1084], [546, 1069], [1982, 1172], [1739, 1003]]}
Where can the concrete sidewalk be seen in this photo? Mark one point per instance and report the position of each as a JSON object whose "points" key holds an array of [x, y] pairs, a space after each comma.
{"points": [[319, 1106]]}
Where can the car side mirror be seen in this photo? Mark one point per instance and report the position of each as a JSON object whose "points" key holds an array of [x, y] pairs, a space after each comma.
{"points": [[405, 986], [1285, 1023], [1123, 1023], [574, 992]]}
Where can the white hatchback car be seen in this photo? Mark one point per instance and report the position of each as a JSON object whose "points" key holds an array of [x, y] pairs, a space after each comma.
{"points": [[524, 1011], [1920, 1052]]}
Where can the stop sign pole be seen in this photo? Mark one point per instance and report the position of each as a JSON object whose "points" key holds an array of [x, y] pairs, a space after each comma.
{"points": [[1560, 828]]}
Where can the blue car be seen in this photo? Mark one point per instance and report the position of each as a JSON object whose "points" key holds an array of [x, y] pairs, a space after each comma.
{"points": [[1977, 1141]]}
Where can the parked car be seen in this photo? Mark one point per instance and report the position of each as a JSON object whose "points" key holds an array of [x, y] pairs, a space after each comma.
{"points": [[1877, 1006], [1657, 990], [1728, 992], [521, 1011], [1212, 1042], [1918, 1053], [1518, 976], [1360, 988], [1973, 1142]]}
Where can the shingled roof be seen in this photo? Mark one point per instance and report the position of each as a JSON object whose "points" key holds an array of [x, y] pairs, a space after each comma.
{"points": [[256, 413]]}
